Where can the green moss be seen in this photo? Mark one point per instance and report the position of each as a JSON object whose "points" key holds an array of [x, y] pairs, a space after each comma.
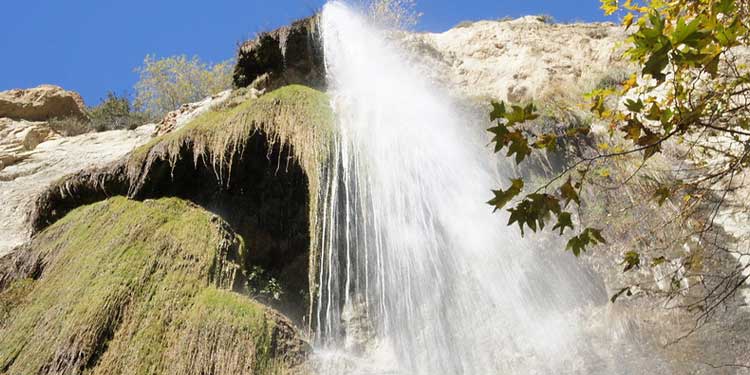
{"points": [[125, 281], [219, 316], [293, 116], [14, 295]]}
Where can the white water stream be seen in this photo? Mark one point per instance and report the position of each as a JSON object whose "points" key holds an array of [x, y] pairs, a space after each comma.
{"points": [[417, 275]]}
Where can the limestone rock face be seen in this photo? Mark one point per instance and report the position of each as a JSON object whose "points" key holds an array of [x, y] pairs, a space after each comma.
{"points": [[517, 60], [32, 157], [181, 116], [19, 138], [41, 103]]}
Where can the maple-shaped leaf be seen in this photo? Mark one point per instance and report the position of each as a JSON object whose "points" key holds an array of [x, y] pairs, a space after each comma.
{"points": [[651, 140], [502, 197], [563, 221], [546, 141], [498, 111], [632, 130], [589, 236], [519, 115], [501, 136], [634, 106], [568, 192], [519, 146]]}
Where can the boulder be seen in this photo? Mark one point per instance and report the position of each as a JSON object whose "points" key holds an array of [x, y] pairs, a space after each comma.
{"points": [[41, 103]]}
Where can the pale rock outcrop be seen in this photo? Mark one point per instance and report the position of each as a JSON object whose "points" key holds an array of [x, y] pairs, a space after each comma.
{"points": [[33, 156], [41, 103], [181, 116], [19, 138], [35, 166], [520, 59]]}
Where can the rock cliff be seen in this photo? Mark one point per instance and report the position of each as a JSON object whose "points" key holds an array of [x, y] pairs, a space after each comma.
{"points": [[252, 157]]}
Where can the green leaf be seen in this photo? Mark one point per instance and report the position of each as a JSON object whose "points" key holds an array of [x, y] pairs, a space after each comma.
{"points": [[576, 245], [656, 64], [588, 237], [654, 113], [502, 136], [519, 146], [631, 260], [534, 211], [568, 192], [632, 130], [502, 197], [725, 6], [686, 33], [563, 221], [520, 114], [546, 141], [651, 140], [661, 194], [498, 111], [634, 106], [657, 261]]}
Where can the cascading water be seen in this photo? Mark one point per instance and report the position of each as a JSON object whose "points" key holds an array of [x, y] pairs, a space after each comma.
{"points": [[417, 275]]}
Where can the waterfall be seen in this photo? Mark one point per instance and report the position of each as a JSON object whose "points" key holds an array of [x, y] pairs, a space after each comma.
{"points": [[417, 275]]}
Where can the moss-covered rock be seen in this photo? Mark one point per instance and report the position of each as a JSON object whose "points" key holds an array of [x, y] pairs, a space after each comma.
{"points": [[255, 162], [290, 54], [137, 287]]}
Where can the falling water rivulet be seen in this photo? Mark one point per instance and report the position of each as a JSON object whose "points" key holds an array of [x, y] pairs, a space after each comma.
{"points": [[416, 274]]}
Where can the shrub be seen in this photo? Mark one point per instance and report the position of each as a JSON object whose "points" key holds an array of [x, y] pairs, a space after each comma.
{"points": [[69, 126], [116, 112], [167, 83]]}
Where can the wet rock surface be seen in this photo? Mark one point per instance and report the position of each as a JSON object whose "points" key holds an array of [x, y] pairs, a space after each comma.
{"points": [[288, 55]]}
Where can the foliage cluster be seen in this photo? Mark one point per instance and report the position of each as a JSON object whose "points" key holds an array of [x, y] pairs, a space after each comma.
{"points": [[169, 82], [692, 93], [116, 112]]}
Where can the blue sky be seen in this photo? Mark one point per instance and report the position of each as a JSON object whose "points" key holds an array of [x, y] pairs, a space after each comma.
{"points": [[92, 46]]}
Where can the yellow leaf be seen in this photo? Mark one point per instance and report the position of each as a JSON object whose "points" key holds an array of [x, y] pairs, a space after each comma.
{"points": [[609, 7], [627, 20], [630, 83]]}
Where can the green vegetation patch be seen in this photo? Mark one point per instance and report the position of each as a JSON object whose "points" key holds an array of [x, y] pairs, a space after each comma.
{"points": [[136, 287], [293, 116]]}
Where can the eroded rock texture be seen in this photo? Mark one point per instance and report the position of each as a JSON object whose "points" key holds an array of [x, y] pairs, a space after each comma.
{"points": [[41, 103], [289, 55]]}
